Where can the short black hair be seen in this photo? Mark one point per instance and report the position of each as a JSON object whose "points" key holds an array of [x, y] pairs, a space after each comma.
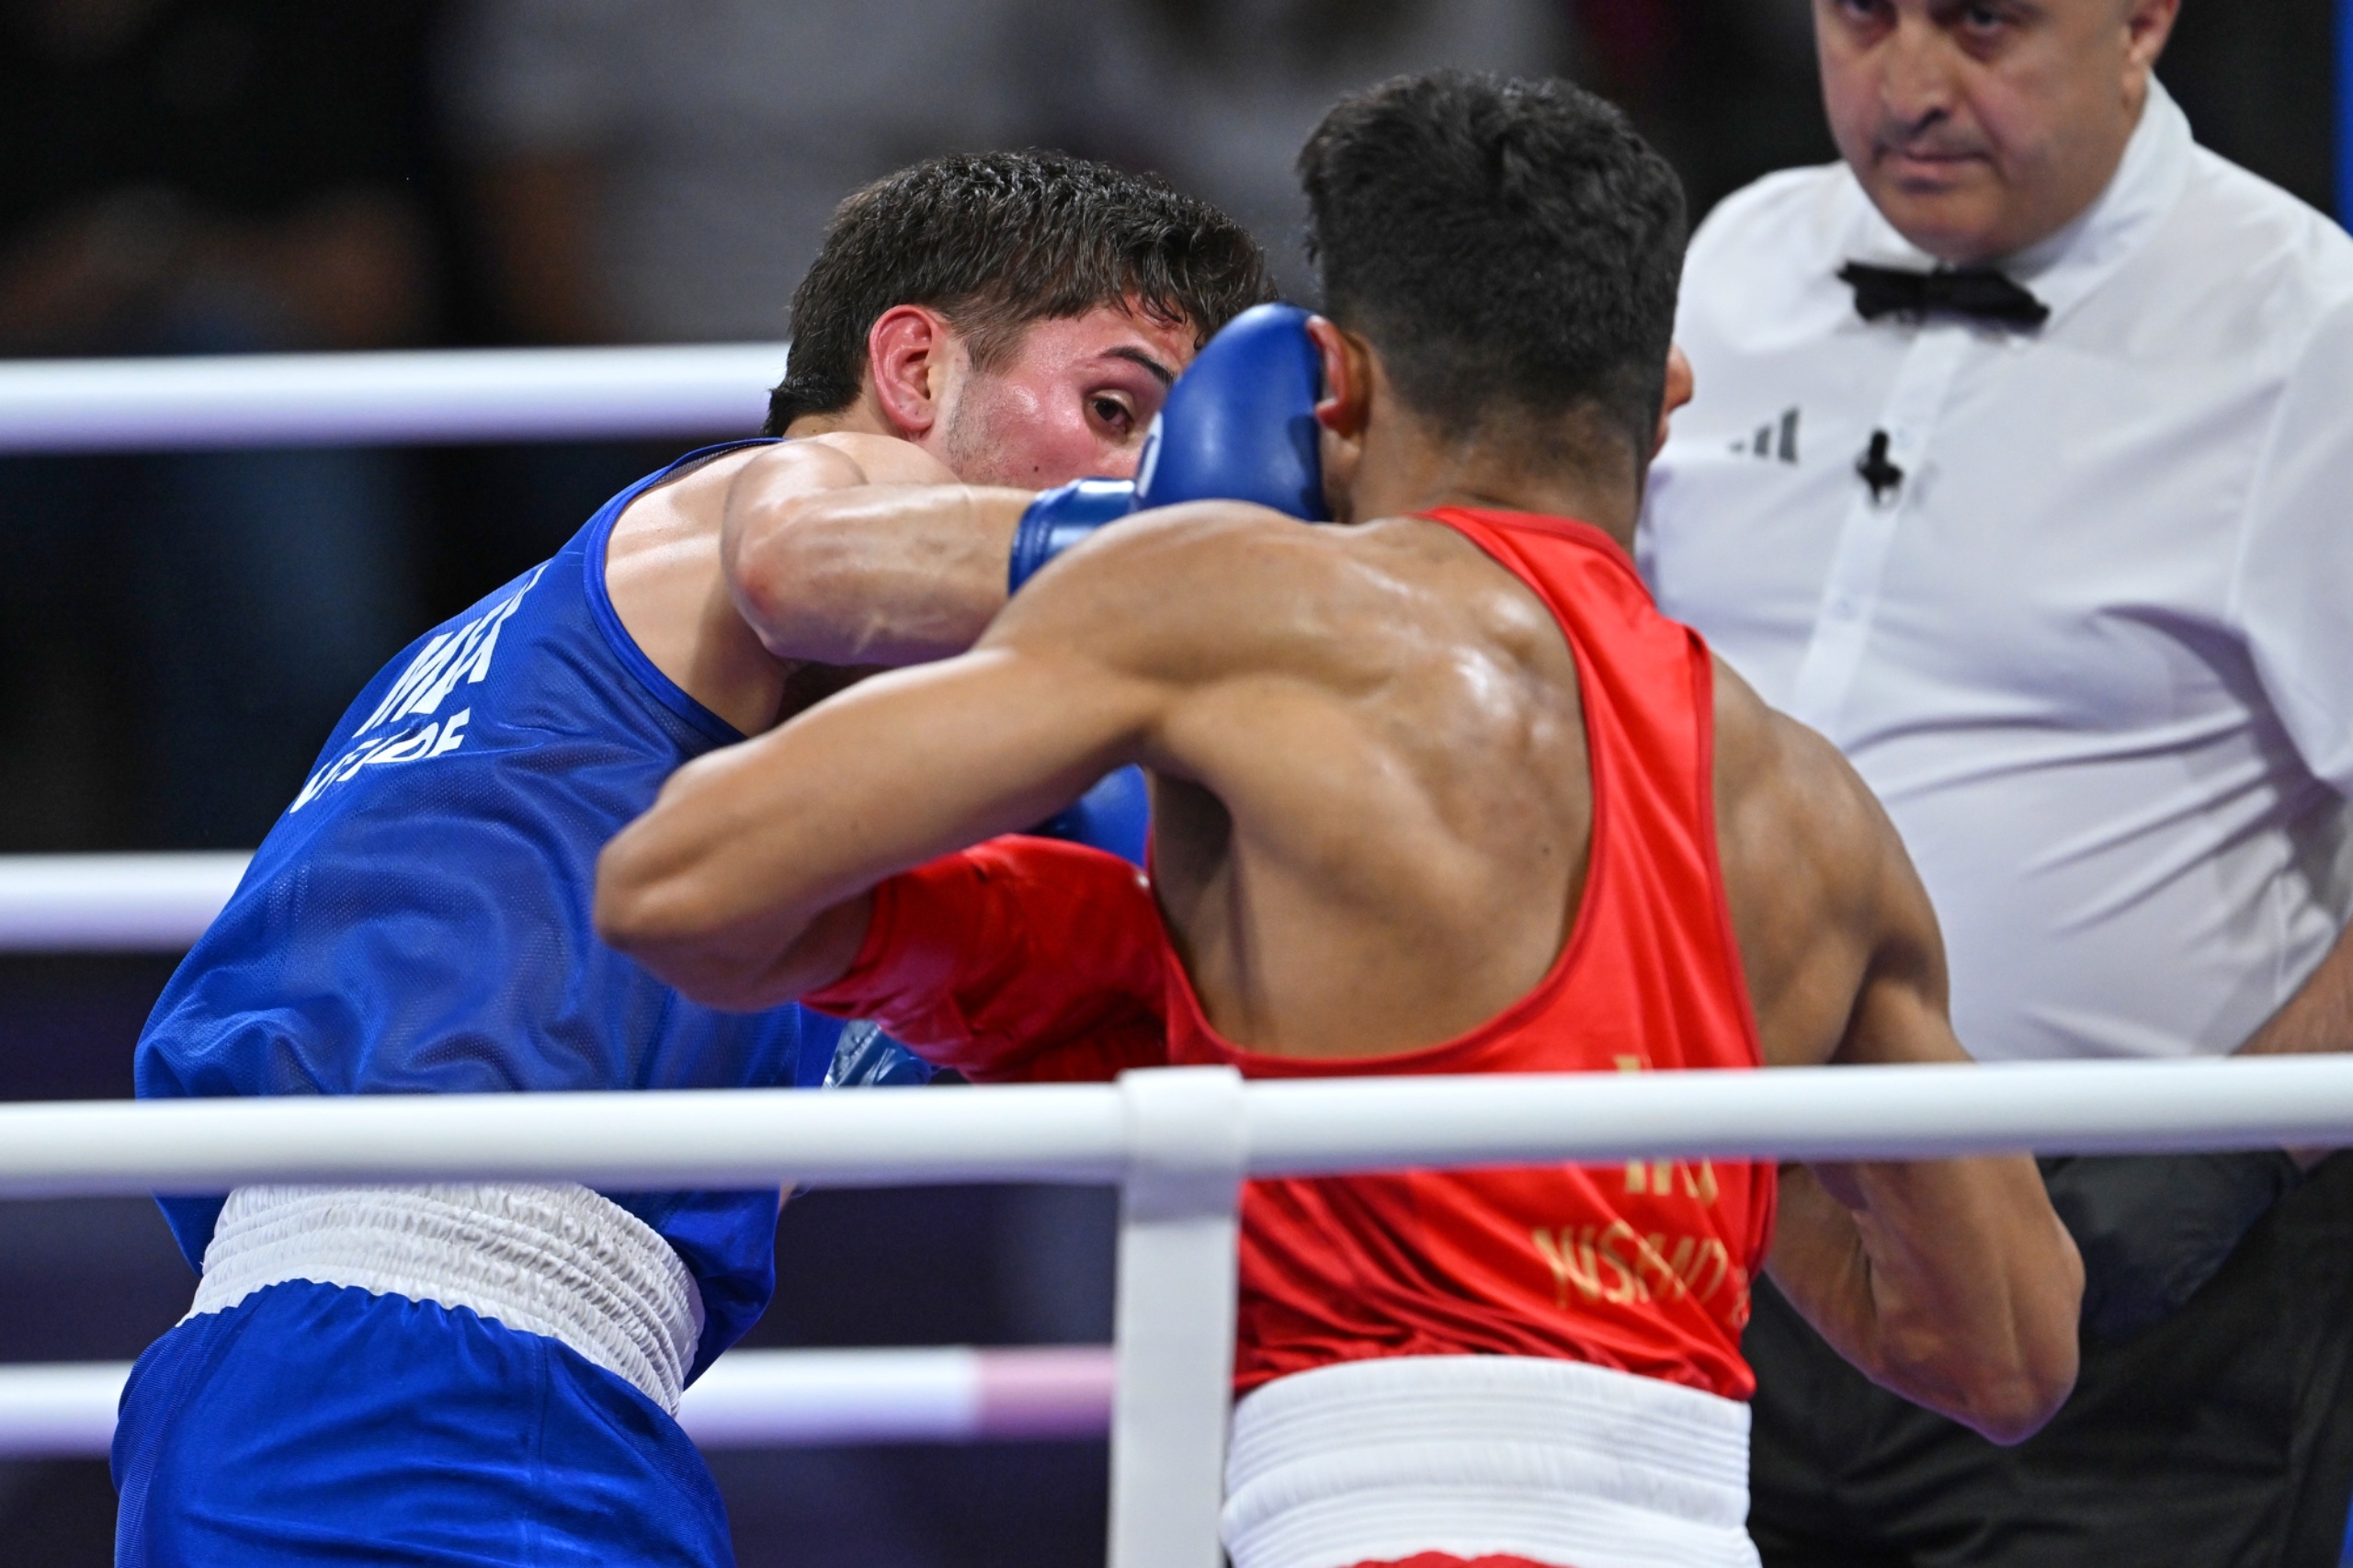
{"points": [[1512, 249], [997, 241]]}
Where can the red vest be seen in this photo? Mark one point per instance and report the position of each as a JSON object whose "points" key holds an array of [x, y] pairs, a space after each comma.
{"points": [[1642, 1267], [1024, 959]]}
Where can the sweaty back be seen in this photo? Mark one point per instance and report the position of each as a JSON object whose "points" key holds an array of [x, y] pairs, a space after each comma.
{"points": [[1372, 826], [1023, 960], [1644, 1268]]}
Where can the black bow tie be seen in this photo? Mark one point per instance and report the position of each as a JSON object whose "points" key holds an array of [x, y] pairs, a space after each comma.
{"points": [[1976, 291]]}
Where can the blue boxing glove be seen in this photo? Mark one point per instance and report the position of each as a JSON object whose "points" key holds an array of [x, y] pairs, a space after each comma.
{"points": [[1060, 517], [866, 1058], [1115, 815], [1240, 423]]}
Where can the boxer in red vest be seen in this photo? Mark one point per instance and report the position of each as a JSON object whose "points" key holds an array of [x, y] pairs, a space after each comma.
{"points": [[1435, 791]]}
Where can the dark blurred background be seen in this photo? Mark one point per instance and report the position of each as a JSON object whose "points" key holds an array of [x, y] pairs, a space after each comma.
{"points": [[178, 631]]}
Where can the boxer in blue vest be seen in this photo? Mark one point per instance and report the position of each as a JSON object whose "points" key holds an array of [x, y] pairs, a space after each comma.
{"points": [[1239, 425], [487, 1373]]}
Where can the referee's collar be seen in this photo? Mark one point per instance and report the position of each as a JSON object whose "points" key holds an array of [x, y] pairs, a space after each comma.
{"points": [[2065, 269]]}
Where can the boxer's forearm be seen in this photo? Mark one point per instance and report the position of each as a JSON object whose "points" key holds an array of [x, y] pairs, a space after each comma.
{"points": [[753, 967], [1949, 1282], [702, 890], [724, 886], [875, 574]]}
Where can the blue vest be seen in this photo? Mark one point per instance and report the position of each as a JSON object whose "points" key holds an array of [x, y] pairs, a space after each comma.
{"points": [[418, 920]]}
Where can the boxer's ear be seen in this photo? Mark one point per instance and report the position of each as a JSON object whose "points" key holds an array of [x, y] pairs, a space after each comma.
{"points": [[1343, 411], [909, 353], [1679, 385], [1346, 402]]}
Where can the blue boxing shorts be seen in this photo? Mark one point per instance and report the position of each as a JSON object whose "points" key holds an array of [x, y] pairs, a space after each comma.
{"points": [[313, 1422]]}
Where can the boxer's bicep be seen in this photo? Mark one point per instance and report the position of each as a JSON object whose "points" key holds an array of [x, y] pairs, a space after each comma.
{"points": [[850, 548], [1841, 951], [1878, 906], [871, 573]]}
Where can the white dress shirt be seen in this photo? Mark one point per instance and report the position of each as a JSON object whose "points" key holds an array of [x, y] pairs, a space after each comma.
{"points": [[2094, 651]]}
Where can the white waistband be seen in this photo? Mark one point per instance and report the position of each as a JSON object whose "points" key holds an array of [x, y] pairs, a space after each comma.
{"points": [[556, 1260], [1486, 1455]]}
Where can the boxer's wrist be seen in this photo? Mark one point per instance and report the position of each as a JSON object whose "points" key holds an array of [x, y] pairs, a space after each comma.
{"points": [[1059, 518]]}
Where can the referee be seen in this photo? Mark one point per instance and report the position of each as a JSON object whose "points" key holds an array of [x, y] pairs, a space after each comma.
{"points": [[2021, 466]]}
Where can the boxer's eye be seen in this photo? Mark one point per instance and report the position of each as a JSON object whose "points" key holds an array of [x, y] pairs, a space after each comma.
{"points": [[1113, 412]]}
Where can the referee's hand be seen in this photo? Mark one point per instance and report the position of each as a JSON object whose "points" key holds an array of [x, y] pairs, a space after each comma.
{"points": [[2153, 1227]]}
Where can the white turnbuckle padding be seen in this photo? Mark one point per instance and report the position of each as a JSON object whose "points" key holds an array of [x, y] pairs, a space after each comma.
{"points": [[1179, 1240]]}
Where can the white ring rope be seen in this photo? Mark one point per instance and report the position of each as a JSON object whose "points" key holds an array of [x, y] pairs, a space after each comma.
{"points": [[1175, 1139], [113, 903], [749, 1399], [1086, 1134], [278, 400]]}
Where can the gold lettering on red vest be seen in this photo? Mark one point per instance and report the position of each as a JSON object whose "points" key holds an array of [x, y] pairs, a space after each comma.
{"points": [[1629, 1286], [1564, 1256], [1614, 1263]]}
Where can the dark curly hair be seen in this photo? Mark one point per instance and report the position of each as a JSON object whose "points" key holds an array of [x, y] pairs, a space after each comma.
{"points": [[1512, 248], [996, 241]]}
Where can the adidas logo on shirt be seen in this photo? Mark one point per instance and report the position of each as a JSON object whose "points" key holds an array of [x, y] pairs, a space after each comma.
{"points": [[1773, 442]]}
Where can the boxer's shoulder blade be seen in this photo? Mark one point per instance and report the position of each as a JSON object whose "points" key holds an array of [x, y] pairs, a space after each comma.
{"points": [[1213, 589], [1388, 723]]}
